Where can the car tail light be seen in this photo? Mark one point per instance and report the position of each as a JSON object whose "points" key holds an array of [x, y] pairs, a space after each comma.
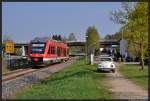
{"points": [[36, 59]]}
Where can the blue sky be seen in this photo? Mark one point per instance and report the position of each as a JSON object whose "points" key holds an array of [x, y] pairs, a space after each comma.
{"points": [[24, 21]]}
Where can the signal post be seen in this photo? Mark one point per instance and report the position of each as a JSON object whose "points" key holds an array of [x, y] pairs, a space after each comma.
{"points": [[9, 48]]}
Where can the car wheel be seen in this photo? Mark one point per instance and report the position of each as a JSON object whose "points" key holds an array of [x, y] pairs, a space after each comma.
{"points": [[113, 70]]}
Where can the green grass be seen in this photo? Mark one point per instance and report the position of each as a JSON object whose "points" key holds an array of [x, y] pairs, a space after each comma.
{"points": [[133, 73], [78, 81]]}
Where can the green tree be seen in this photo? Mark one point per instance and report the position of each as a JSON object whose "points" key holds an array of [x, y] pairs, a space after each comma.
{"points": [[121, 16], [57, 37], [135, 28], [116, 36], [108, 37], [72, 37], [92, 39], [64, 39]]}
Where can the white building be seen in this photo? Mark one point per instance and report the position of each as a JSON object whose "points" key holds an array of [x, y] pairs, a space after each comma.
{"points": [[123, 47]]}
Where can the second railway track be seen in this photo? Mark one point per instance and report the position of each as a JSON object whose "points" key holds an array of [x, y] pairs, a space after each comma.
{"points": [[15, 74]]}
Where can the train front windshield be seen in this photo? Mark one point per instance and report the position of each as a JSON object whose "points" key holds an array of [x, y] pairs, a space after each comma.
{"points": [[38, 48]]}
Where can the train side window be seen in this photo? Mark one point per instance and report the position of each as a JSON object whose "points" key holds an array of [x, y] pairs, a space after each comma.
{"points": [[49, 50], [61, 50], [53, 50], [64, 52], [58, 51], [67, 51]]}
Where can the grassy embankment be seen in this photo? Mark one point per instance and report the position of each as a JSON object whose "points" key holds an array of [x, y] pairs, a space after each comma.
{"points": [[139, 77], [78, 81]]}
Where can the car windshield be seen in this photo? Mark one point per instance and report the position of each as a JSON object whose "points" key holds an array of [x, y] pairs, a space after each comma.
{"points": [[38, 48], [105, 59]]}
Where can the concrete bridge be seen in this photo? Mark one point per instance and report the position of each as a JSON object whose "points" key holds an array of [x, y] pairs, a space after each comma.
{"points": [[72, 44], [80, 46], [103, 43]]}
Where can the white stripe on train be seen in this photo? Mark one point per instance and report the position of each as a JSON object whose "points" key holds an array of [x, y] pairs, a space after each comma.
{"points": [[48, 59]]}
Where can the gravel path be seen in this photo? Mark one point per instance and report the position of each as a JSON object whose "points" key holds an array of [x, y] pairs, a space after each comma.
{"points": [[10, 88], [122, 88]]}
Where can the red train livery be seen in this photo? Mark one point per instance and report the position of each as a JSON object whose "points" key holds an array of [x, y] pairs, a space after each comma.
{"points": [[47, 51]]}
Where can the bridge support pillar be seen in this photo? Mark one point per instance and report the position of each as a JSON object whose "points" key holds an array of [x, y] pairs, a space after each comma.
{"points": [[92, 59], [23, 51]]}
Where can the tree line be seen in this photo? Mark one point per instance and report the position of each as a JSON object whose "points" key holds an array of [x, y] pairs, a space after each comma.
{"points": [[134, 20]]}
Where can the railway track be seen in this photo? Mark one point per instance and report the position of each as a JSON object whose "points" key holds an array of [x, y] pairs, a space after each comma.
{"points": [[18, 73], [15, 71], [22, 72]]}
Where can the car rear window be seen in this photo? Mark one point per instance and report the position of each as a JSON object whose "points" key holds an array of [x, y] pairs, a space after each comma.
{"points": [[105, 59]]}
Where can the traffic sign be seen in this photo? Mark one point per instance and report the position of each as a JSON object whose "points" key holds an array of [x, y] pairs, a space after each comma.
{"points": [[9, 46]]}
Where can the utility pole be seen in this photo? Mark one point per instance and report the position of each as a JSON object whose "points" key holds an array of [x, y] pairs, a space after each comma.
{"points": [[92, 54], [123, 43], [122, 34], [86, 48]]}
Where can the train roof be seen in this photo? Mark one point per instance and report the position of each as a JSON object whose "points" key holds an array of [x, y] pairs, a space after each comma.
{"points": [[41, 40], [44, 40]]}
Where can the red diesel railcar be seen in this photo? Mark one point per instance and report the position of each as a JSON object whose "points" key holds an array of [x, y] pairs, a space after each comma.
{"points": [[47, 51]]}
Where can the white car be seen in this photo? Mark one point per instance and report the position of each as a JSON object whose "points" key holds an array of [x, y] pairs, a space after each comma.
{"points": [[106, 64]]}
